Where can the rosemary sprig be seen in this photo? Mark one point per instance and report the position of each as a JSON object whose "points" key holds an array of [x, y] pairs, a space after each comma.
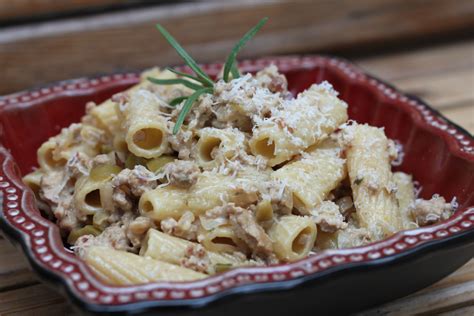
{"points": [[177, 101], [183, 74], [201, 83], [233, 54], [182, 81], [235, 71], [187, 59], [187, 107]]}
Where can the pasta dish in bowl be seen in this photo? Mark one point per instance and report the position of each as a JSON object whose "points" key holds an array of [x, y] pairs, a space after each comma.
{"points": [[175, 190], [255, 177]]}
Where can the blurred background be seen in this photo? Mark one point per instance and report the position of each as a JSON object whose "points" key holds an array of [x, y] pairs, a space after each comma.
{"points": [[44, 40]]}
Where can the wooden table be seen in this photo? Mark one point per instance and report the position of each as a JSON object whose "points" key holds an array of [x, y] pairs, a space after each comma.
{"points": [[442, 74]]}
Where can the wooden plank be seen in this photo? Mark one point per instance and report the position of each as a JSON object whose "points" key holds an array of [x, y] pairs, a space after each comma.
{"points": [[12, 259], [441, 58], [435, 299], [442, 90], [17, 279], [463, 311], [128, 40], [62, 308], [14, 269], [34, 300], [464, 116], [444, 79], [14, 9]]}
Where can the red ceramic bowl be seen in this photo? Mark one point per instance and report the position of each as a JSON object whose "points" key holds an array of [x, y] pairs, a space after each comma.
{"points": [[437, 152]]}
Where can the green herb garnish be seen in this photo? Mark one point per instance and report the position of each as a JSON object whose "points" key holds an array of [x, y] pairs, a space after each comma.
{"points": [[183, 74], [177, 101], [187, 107], [201, 83], [358, 181], [187, 59], [231, 60], [182, 81]]}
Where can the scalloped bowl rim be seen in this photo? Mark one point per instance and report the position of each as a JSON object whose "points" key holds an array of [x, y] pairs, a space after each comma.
{"points": [[45, 251]]}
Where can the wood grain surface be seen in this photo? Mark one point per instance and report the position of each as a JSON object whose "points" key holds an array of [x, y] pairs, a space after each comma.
{"points": [[442, 74], [18, 9], [56, 50]]}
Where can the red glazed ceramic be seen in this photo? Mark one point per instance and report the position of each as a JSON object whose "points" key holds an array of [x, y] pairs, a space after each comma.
{"points": [[438, 153]]}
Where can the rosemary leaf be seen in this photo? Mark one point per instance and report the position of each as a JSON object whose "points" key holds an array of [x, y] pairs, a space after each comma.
{"points": [[187, 59], [187, 107], [231, 59], [182, 81], [177, 101], [235, 71], [183, 74]]}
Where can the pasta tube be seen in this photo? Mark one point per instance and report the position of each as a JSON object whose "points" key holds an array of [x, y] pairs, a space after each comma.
{"points": [[212, 189], [162, 203], [46, 158], [301, 122], [405, 196], [216, 145], [33, 181], [105, 117], [370, 174], [312, 177], [161, 246], [124, 268], [293, 237], [222, 239], [146, 135], [87, 196]]}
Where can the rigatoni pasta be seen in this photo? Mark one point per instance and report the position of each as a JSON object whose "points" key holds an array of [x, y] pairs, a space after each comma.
{"points": [[301, 123], [293, 237], [123, 268], [146, 135], [368, 165], [323, 164]]}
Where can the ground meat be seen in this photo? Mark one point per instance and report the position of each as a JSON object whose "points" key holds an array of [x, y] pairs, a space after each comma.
{"points": [[65, 214], [247, 229], [103, 160], [182, 173], [183, 143], [328, 217], [186, 227], [271, 79], [244, 197], [280, 196], [77, 166], [197, 259], [57, 189], [352, 236], [426, 212], [346, 205], [113, 236], [137, 229], [129, 185], [240, 102], [121, 98], [68, 137], [51, 186]]}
